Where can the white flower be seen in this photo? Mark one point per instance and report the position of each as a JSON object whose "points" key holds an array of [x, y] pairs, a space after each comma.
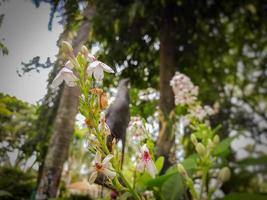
{"points": [[97, 69], [69, 65], [103, 126], [65, 74], [101, 167], [185, 92], [87, 55], [136, 128], [91, 57], [146, 163], [200, 112]]}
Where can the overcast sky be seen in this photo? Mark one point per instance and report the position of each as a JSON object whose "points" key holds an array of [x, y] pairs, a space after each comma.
{"points": [[26, 35]]}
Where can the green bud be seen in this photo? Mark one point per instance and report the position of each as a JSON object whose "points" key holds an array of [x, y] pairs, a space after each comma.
{"points": [[210, 144], [189, 183], [216, 139], [193, 139], [182, 170], [201, 150], [67, 48], [84, 51], [224, 174]]}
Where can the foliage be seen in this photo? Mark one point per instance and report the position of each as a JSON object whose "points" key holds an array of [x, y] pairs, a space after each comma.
{"points": [[17, 130], [245, 196], [16, 184], [34, 64], [3, 48]]}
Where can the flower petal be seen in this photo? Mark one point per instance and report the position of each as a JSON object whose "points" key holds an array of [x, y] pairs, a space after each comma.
{"points": [[108, 132], [106, 68], [91, 58], [109, 173], [107, 159], [98, 73], [57, 80], [70, 79], [97, 157], [90, 69], [93, 65], [140, 166], [103, 127], [93, 177], [69, 65], [144, 148], [151, 168], [65, 70]]}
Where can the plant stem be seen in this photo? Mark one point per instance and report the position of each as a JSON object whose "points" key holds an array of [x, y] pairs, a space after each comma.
{"points": [[131, 190], [203, 183]]}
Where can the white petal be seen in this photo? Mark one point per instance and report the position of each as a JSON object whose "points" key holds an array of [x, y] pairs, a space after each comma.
{"points": [[97, 157], [108, 132], [94, 64], [57, 81], [69, 65], [70, 79], [107, 159], [106, 68], [93, 177], [65, 70], [151, 168], [91, 169], [98, 73], [91, 58], [109, 173], [105, 128], [144, 148], [90, 69], [140, 166]]}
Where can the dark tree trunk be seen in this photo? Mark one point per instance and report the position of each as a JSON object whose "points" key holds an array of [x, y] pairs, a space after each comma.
{"points": [[63, 126], [167, 70]]}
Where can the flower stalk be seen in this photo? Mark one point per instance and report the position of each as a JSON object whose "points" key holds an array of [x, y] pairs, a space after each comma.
{"points": [[86, 72]]}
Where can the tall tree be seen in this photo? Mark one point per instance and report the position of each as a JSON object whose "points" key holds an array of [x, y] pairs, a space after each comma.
{"points": [[167, 69], [63, 124]]}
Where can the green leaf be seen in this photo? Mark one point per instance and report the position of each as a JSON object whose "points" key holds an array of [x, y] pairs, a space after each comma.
{"points": [[4, 193], [173, 188], [125, 196], [159, 163], [223, 148], [244, 196], [143, 179], [190, 163], [158, 181], [253, 161], [81, 60]]}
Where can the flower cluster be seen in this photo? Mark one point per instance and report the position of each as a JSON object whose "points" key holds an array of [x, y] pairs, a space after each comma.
{"points": [[95, 67], [205, 142], [200, 112], [136, 128], [86, 72], [185, 93]]}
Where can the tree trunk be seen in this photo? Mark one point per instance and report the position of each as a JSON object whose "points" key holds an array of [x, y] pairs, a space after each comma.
{"points": [[167, 70], [63, 126]]}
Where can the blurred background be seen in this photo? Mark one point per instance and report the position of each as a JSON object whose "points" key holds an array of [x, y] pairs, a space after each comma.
{"points": [[220, 45]]}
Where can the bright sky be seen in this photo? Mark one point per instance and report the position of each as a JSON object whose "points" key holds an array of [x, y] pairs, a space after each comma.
{"points": [[26, 35]]}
